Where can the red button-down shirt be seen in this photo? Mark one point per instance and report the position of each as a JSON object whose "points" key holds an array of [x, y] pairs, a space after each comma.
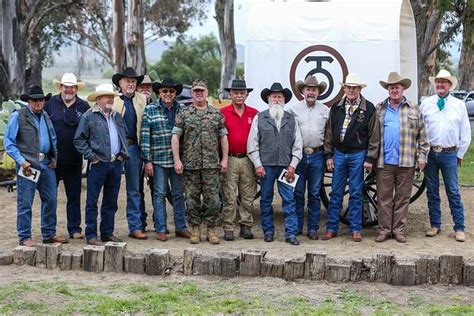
{"points": [[238, 127]]}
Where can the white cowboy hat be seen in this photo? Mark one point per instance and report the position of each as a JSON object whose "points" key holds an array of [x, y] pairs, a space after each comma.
{"points": [[444, 74], [394, 78], [352, 80], [69, 79], [102, 89]]}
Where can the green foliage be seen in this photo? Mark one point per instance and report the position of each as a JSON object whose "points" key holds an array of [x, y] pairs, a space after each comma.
{"points": [[189, 59]]}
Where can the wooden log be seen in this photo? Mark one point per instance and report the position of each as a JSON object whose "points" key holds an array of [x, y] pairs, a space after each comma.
{"points": [[272, 267], [134, 263], [384, 265], [251, 262], [336, 272], [76, 261], [157, 261], [201, 265], [294, 269], [188, 259], [427, 270], [40, 257], [357, 270], [228, 264], [6, 258], [113, 256], [451, 269], [315, 266], [65, 261], [24, 255], [403, 273], [52, 255], [468, 277], [93, 258]]}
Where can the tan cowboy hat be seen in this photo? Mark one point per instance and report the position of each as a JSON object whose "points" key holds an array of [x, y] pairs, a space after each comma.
{"points": [[394, 78], [102, 89], [352, 80], [69, 80], [444, 74], [146, 80], [311, 81]]}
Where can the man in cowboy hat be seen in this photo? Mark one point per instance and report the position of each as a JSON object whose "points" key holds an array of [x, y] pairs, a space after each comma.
{"points": [[351, 144], [101, 138], [204, 137], [30, 140], [65, 110], [240, 178], [131, 104], [275, 144], [403, 146], [449, 134], [145, 88], [158, 122], [311, 116]]}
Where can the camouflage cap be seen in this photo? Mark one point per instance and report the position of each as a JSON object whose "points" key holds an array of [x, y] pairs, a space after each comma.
{"points": [[199, 84]]}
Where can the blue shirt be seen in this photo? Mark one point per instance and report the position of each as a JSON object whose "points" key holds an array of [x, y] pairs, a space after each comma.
{"points": [[170, 113], [114, 137], [391, 135], [130, 118]]}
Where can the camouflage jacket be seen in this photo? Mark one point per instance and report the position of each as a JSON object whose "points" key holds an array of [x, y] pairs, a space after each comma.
{"points": [[200, 131]]}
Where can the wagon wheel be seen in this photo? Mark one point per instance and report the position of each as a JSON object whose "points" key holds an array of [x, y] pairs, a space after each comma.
{"points": [[369, 212]]}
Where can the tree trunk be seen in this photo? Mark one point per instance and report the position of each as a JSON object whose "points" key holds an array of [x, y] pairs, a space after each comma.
{"points": [[118, 36], [225, 21], [135, 41], [34, 66], [466, 61]]}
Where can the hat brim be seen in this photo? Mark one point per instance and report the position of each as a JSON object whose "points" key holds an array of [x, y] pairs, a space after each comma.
{"points": [[248, 89], [300, 85], [94, 95], [361, 85], [57, 84], [156, 86], [453, 80], [26, 97], [266, 92], [406, 83], [116, 79]]}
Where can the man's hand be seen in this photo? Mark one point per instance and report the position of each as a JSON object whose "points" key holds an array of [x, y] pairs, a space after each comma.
{"points": [[26, 168], [178, 167], [52, 165], [368, 166], [421, 165], [149, 169], [260, 172], [460, 162], [224, 165], [290, 174], [330, 164]]}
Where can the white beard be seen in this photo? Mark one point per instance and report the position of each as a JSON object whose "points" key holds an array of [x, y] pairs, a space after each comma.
{"points": [[276, 112]]}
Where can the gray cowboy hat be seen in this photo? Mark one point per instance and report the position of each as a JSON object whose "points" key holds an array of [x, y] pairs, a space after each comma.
{"points": [[311, 81]]}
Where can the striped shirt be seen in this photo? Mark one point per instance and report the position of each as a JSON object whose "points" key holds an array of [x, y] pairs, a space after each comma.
{"points": [[350, 109]]}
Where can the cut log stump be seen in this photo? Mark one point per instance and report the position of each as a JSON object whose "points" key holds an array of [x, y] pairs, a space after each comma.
{"points": [[226, 264], [24, 255], [76, 261], [451, 269], [65, 261], [294, 269], [272, 267], [134, 263], [188, 258], [468, 278], [93, 258], [113, 257], [202, 265], [384, 264], [315, 266], [251, 262], [6, 258], [336, 272], [403, 273], [156, 261], [427, 270]]}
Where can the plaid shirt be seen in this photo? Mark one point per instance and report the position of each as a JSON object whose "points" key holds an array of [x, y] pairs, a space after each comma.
{"points": [[155, 141], [413, 143]]}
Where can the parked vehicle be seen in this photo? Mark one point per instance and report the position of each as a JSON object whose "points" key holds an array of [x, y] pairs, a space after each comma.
{"points": [[469, 100], [460, 94]]}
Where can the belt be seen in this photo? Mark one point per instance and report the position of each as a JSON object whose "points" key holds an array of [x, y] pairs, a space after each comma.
{"points": [[41, 156], [312, 150], [238, 155], [439, 149], [131, 142], [118, 157]]}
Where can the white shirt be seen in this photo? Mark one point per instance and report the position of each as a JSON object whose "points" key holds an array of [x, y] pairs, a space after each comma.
{"points": [[449, 127], [311, 121]]}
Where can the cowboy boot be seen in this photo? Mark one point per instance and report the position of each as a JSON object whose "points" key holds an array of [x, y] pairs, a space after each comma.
{"points": [[195, 234], [212, 236]]}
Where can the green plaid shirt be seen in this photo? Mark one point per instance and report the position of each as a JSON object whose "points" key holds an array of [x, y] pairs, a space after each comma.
{"points": [[155, 136]]}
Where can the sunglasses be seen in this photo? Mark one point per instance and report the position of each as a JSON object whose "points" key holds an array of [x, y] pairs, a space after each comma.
{"points": [[165, 91]]}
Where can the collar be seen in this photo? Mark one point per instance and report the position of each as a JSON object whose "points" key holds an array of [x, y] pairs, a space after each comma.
{"points": [[123, 96], [362, 105], [404, 102]]}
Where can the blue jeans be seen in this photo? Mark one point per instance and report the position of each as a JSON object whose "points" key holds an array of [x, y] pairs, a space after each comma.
{"points": [[311, 171], [71, 175], [448, 164], [286, 192], [347, 166], [106, 175], [47, 189], [161, 176], [133, 171]]}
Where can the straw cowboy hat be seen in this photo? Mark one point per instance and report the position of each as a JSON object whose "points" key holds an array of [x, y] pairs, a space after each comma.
{"points": [[146, 80], [352, 80], [167, 83], [101, 90], [35, 93], [128, 72], [238, 84], [69, 80], [276, 87], [444, 74], [394, 78], [311, 81]]}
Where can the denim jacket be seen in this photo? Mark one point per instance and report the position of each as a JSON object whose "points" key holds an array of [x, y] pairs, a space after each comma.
{"points": [[92, 136]]}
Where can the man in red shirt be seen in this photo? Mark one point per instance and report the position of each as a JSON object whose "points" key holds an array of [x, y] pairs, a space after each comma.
{"points": [[240, 177]]}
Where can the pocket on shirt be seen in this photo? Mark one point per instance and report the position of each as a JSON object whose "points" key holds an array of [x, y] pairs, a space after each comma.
{"points": [[413, 121]]}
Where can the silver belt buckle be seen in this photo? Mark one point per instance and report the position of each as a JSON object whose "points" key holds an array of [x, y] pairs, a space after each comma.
{"points": [[41, 156], [112, 158], [437, 149], [308, 150]]}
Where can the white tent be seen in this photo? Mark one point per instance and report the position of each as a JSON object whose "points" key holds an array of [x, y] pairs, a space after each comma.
{"points": [[287, 41]]}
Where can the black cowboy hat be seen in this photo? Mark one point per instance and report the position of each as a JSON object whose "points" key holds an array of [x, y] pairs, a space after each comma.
{"points": [[167, 83], [128, 72], [35, 92], [276, 87], [238, 84]]}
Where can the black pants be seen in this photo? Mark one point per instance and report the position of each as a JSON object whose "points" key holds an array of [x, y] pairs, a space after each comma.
{"points": [[71, 176]]}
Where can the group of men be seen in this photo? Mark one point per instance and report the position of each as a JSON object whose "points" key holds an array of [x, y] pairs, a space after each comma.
{"points": [[195, 152]]}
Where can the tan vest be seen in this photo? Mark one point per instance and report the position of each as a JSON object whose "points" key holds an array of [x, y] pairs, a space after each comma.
{"points": [[139, 103]]}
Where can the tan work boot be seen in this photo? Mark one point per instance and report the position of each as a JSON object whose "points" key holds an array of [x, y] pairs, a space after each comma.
{"points": [[460, 236], [433, 231], [211, 236], [195, 234]]}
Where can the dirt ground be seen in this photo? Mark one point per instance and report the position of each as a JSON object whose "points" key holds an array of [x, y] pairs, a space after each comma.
{"points": [[340, 247]]}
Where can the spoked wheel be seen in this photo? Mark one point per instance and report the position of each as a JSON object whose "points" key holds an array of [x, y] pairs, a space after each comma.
{"points": [[369, 196]]}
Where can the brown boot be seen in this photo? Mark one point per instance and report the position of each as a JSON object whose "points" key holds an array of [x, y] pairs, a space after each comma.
{"points": [[212, 236], [195, 234]]}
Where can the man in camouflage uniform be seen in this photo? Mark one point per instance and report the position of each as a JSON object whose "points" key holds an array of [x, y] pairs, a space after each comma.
{"points": [[202, 129]]}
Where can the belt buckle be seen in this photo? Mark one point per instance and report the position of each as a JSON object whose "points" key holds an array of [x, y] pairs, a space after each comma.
{"points": [[41, 156], [308, 150], [437, 149], [112, 158]]}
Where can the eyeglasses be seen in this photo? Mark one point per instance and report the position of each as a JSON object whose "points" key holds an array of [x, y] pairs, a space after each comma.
{"points": [[165, 91]]}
